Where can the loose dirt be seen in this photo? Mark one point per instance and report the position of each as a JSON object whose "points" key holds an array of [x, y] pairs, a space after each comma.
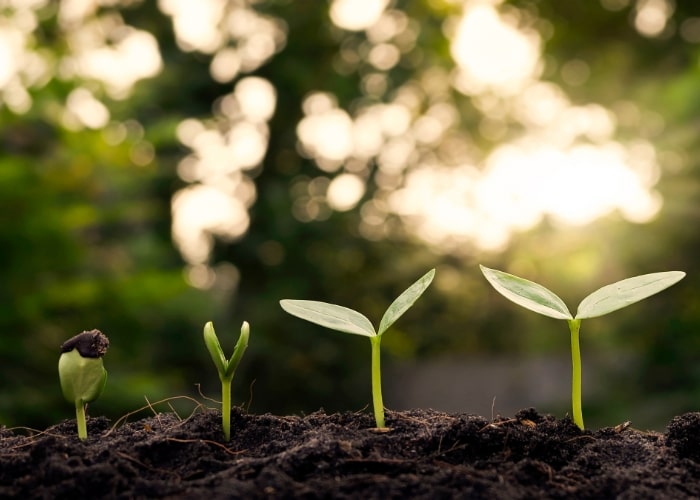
{"points": [[426, 454]]}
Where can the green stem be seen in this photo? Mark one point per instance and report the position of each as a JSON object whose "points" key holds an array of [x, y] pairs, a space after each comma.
{"points": [[226, 407], [80, 418], [574, 326], [377, 382]]}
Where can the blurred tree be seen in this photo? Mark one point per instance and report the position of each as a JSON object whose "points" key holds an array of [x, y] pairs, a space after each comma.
{"points": [[167, 163]]}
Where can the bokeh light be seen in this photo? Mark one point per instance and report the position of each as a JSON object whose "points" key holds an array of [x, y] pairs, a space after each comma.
{"points": [[565, 163], [532, 154]]}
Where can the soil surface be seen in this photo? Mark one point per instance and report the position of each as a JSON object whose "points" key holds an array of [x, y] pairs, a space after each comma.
{"points": [[426, 454]]}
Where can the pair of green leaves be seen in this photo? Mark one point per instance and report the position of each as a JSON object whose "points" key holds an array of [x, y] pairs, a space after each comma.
{"points": [[225, 367], [347, 320], [539, 299]]}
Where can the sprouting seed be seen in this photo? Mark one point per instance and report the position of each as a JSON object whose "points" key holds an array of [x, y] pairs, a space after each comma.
{"points": [[81, 372]]}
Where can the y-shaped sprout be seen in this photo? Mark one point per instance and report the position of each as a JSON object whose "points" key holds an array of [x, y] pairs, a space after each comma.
{"points": [[226, 368]]}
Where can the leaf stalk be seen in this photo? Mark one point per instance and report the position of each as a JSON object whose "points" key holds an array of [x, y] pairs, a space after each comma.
{"points": [[577, 412], [377, 400]]}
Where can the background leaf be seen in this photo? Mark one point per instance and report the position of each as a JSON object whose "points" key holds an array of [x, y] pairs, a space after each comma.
{"points": [[331, 316], [404, 301], [527, 294], [623, 293]]}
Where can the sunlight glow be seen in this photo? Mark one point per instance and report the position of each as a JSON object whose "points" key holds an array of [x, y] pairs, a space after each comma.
{"points": [[551, 159], [491, 53], [193, 23], [240, 38], [652, 16], [88, 111], [11, 45], [451, 207], [256, 98], [21, 66], [355, 15], [326, 133], [133, 57], [221, 189], [201, 212], [345, 191]]}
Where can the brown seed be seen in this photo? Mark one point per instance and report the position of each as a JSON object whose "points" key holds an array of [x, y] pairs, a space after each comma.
{"points": [[90, 344]]}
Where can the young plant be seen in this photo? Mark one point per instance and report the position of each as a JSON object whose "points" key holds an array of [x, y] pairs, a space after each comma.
{"points": [[81, 372], [347, 320], [610, 298], [226, 368]]}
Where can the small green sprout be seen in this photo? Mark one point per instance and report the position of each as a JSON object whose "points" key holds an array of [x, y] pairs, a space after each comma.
{"points": [[607, 299], [347, 320], [226, 368], [81, 372]]}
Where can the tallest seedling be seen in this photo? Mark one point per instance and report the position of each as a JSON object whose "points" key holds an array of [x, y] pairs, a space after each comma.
{"points": [[610, 298], [346, 320]]}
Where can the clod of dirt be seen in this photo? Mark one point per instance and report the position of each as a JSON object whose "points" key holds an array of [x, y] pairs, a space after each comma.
{"points": [[427, 454]]}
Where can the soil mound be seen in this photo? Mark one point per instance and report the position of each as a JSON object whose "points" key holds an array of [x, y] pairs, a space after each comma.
{"points": [[425, 454]]}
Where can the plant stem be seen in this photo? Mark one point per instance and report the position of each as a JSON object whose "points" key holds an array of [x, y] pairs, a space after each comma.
{"points": [[80, 418], [377, 382], [574, 326], [226, 407]]}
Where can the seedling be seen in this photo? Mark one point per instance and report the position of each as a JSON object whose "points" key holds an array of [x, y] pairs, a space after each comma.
{"points": [[81, 372], [610, 298], [226, 368], [346, 320]]}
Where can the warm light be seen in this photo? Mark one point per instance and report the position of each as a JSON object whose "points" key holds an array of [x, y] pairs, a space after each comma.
{"points": [[209, 26], [256, 98], [551, 159], [195, 23], [90, 112], [11, 42], [327, 135], [356, 15], [223, 152], [345, 191], [491, 53], [134, 57], [199, 213], [651, 16], [225, 65], [521, 184]]}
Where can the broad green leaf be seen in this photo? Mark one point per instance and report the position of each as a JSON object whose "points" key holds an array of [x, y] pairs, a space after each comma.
{"points": [[405, 301], [623, 293], [331, 316], [527, 294]]}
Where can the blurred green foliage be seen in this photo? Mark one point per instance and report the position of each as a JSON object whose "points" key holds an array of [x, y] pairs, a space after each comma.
{"points": [[85, 229]]}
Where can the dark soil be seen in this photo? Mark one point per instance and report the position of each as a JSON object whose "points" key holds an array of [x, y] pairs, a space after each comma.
{"points": [[426, 454]]}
